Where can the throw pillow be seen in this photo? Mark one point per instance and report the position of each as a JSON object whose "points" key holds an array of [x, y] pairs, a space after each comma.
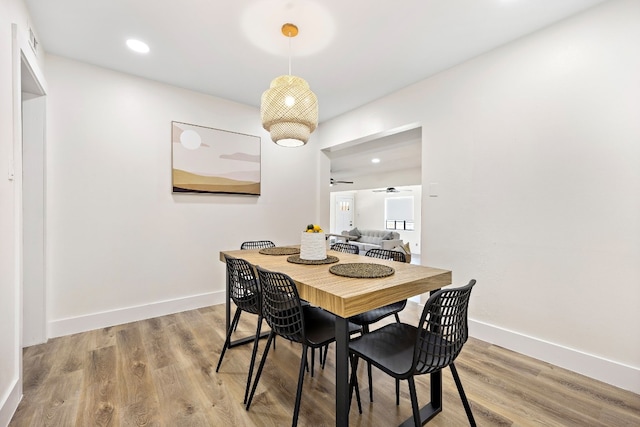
{"points": [[388, 236], [355, 232]]}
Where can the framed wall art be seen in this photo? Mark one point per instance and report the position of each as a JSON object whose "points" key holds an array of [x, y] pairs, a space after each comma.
{"points": [[207, 160]]}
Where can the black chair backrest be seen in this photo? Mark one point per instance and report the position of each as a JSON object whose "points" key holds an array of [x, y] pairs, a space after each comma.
{"points": [[345, 248], [281, 306], [243, 285], [443, 329], [386, 254], [257, 244]]}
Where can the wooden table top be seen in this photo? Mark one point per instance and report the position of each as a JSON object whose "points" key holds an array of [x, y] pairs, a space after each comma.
{"points": [[345, 296]]}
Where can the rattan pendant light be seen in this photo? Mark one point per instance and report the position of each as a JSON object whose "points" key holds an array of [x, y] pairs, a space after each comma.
{"points": [[289, 109]]}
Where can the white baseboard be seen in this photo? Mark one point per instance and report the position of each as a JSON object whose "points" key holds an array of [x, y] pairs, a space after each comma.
{"points": [[608, 371], [10, 403], [73, 325]]}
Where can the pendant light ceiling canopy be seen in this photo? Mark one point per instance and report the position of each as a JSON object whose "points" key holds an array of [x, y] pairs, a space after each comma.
{"points": [[289, 109]]}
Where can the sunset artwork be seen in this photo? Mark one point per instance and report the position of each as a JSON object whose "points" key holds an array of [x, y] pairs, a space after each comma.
{"points": [[206, 160]]}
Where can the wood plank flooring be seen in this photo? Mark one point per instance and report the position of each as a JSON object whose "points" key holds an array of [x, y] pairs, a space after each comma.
{"points": [[161, 372]]}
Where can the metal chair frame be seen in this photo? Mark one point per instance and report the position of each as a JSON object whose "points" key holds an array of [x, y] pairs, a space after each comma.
{"points": [[257, 244], [386, 254], [345, 248], [244, 290], [404, 351], [284, 312]]}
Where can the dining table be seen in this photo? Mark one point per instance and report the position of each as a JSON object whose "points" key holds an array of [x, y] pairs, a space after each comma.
{"points": [[348, 296]]}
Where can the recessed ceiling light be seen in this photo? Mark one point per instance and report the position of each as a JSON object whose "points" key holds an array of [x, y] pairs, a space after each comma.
{"points": [[375, 160], [138, 46]]}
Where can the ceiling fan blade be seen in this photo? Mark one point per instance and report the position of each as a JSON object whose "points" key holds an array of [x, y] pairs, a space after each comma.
{"points": [[390, 190], [337, 181]]}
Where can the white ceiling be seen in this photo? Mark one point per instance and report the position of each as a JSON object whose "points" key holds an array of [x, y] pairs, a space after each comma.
{"points": [[351, 52], [398, 151]]}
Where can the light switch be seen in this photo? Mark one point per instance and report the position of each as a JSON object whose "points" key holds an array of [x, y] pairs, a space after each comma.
{"points": [[433, 189], [11, 173]]}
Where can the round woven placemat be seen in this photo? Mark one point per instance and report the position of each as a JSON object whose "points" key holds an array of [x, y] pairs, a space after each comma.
{"points": [[330, 259], [362, 270], [279, 251]]}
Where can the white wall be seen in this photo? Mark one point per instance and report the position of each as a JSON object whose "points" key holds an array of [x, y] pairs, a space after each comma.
{"points": [[120, 245], [536, 150]]}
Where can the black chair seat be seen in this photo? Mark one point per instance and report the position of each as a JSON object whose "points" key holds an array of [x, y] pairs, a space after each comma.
{"points": [[390, 349], [320, 326], [377, 314]]}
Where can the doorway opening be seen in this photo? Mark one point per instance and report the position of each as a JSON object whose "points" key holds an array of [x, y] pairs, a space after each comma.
{"points": [[367, 184], [34, 313]]}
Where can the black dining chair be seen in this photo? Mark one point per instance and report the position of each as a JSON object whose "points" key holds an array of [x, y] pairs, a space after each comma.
{"points": [[310, 326], [377, 314], [386, 254], [257, 244], [345, 248], [245, 292], [262, 244], [372, 316], [404, 351]]}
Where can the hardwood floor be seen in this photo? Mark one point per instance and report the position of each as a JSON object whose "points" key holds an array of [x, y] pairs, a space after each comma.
{"points": [[161, 372]]}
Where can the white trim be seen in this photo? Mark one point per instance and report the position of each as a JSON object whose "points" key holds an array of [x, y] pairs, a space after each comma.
{"points": [[608, 371], [10, 403], [73, 325]]}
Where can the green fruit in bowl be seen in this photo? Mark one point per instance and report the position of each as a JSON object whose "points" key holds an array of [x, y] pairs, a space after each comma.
{"points": [[310, 227]]}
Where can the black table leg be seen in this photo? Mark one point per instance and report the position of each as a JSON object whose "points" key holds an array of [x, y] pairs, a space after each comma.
{"points": [[436, 390], [342, 372]]}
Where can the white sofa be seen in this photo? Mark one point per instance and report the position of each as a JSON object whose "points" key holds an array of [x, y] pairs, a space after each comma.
{"points": [[369, 239]]}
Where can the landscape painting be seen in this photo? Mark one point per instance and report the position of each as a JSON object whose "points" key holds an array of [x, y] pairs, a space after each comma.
{"points": [[207, 160]]}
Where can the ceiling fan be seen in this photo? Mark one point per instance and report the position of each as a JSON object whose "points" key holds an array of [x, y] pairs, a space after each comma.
{"points": [[336, 181], [389, 190]]}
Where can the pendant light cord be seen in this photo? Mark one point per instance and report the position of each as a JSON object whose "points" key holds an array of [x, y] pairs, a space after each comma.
{"points": [[289, 53]]}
